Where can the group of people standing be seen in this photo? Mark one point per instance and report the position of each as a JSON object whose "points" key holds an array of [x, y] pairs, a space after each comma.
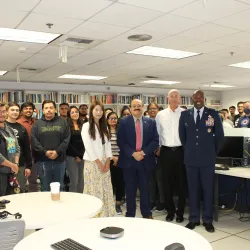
{"points": [[170, 151]]}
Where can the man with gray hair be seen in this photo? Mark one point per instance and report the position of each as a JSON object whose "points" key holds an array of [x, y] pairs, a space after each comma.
{"points": [[172, 156]]}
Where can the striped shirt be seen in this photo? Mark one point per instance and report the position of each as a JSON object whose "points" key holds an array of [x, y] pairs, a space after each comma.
{"points": [[114, 147]]}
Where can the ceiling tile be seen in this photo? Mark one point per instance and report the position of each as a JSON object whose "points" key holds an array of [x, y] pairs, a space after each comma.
{"points": [[161, 5], [88, 57], [54, 51], [13, 47], [79, 9], [98, 30], [171, 24], [175, 42], [208, 32], [12, 76], [11, 18], [125, 15], [26, 5], [107, 64], [243, 1], [213, 10], [37, 22], [40, 61], [240, 21], [235, 39], [12, 59], [226, 52], [206, 47], [53, 72]]}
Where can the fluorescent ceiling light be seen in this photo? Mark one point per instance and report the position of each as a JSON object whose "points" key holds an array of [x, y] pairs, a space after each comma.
{"points": [[218, 86], [2, 73], [162, 52], [160, 82], [245, 65], [82, 77], [26, 36]]}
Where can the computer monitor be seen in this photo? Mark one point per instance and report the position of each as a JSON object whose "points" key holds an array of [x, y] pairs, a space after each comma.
{"points": [[232, 147]]}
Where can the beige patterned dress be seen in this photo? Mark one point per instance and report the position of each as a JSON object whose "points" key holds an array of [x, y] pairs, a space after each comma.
{"points": [[98, 184]]}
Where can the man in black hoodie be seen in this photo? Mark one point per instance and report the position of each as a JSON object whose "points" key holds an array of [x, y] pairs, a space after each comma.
{"points": [[50, 137]]}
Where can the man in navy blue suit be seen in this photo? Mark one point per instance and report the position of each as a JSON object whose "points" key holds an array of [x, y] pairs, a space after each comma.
{"points": [[201, 134], [138, 140]]}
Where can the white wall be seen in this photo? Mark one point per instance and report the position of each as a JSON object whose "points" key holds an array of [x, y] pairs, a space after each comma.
{"points": [[232, 97]]}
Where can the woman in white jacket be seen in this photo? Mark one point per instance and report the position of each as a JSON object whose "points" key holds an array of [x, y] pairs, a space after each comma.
{"points": [[97, 180]]}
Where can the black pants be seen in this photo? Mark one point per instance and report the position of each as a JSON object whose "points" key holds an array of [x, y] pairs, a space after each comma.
{"points": [[3, 184], [117, 181], [174, 178]]}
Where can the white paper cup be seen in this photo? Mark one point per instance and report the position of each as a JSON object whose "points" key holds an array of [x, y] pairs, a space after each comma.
{"points": [[55, 191]]}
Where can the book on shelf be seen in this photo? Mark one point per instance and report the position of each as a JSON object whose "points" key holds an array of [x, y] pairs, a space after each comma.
{"points": [[39, 98], [70, 98], [12, 96], [105, 99], [156, 99]]}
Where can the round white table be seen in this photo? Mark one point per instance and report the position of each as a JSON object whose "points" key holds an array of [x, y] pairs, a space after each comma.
{"points": [[139, 233], [39, 211]]}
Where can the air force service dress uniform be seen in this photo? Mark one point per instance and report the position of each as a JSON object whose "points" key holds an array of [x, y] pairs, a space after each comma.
{"points": [[201, 134], [244, 122]]}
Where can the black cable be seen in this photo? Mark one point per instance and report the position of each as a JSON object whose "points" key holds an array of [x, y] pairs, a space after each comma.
{"points": [[4, 215]]}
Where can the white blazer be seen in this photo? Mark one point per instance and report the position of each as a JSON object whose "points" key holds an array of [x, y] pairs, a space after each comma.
{"points": [[93, 148]]}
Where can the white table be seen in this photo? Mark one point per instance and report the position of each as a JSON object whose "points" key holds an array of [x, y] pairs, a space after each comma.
{"points": [[240, 172], [39, 211], [139, 234]]}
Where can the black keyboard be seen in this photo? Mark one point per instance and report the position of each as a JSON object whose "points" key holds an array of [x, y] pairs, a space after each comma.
{"points": [[69, 244]]}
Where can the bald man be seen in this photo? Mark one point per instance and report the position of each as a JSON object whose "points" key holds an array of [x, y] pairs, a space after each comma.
{"points": [[138, 140], [172, 156], [201, 134]]}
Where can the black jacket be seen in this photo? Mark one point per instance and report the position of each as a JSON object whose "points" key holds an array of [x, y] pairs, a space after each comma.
{"points": [[50, 135], [24, 143], [76, 146]]}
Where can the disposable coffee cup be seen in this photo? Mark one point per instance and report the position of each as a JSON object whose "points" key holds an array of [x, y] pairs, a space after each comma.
{"points": [[55, 191]]}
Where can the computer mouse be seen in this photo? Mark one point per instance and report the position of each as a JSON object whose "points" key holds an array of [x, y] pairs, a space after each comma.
{"points": [[175, 246]]}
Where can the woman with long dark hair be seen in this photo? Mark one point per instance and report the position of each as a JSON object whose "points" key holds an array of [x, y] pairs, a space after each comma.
{"points": [[75, 151], [116, 172], [97, 156], [125, 111]]}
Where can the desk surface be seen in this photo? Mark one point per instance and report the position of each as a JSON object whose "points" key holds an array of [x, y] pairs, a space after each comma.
{"points": [[236, 172], [139, 233], [39, 211]]}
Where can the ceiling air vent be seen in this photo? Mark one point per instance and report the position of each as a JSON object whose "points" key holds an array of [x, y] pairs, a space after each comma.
{"points": [[151, 77], [27, 70], [76, 42]]}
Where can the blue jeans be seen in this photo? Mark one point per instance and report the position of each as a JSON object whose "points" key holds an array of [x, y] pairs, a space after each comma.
{"points": [[50, 171]]}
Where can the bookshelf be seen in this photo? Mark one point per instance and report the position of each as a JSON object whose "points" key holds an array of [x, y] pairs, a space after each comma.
{"points": [[12, 96], [110, 100]]}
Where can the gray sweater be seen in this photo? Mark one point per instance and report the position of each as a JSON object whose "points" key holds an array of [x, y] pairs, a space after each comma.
{"points": [[12, 147]]}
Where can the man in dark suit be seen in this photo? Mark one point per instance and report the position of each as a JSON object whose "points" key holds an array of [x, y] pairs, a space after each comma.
{"points": [[138, 140], [201, 134]]}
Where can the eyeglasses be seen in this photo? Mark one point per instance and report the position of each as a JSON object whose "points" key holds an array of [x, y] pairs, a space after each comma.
{"points": [[136, 106], [112, 119], [3, 112], [74, 112], [153, 109]]}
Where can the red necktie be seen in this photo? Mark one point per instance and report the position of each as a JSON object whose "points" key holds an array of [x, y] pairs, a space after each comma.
{"points": [[138, 135]]}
